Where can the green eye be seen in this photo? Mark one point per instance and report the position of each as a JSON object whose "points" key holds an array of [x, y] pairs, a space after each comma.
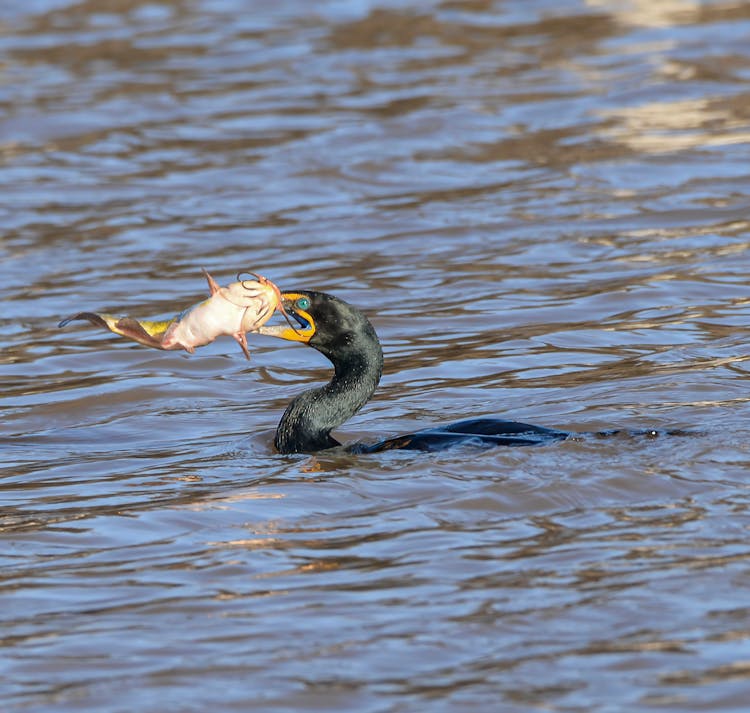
{"points": [[302, 303]]}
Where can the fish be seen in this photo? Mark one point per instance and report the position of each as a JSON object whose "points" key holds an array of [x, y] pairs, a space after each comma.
{"points": [[240, 307]]}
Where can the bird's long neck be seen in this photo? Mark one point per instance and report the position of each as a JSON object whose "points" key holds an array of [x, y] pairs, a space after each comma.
{"points": [[309, 419]]}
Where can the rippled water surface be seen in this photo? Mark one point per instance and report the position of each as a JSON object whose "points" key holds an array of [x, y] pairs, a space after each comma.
{"points": [[543, 207]]}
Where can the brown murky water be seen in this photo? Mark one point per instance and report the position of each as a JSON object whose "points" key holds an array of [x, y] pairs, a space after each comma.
{"points": [[543, 206]]}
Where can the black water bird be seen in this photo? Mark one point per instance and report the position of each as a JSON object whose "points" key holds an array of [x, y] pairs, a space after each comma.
{"points": [[346, 338]]}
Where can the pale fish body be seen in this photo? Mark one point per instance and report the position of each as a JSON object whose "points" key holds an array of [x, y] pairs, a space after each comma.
{"points": [[232, 310]]}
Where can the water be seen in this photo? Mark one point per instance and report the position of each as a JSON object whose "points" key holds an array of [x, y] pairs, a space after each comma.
{"points": [[542, 206]]}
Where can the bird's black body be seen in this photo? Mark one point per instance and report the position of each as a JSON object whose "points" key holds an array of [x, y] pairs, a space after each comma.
{"points": [[344, 335], [481, 432]]}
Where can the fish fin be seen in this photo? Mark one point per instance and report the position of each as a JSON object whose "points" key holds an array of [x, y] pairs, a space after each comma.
{"points": [[242, 341], [156, 328], [145, 332], [142, 332], [98, 319], [213, 286]]}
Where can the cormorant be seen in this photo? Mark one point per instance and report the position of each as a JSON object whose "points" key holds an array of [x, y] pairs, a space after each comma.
{"points": [[346, 338]]}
